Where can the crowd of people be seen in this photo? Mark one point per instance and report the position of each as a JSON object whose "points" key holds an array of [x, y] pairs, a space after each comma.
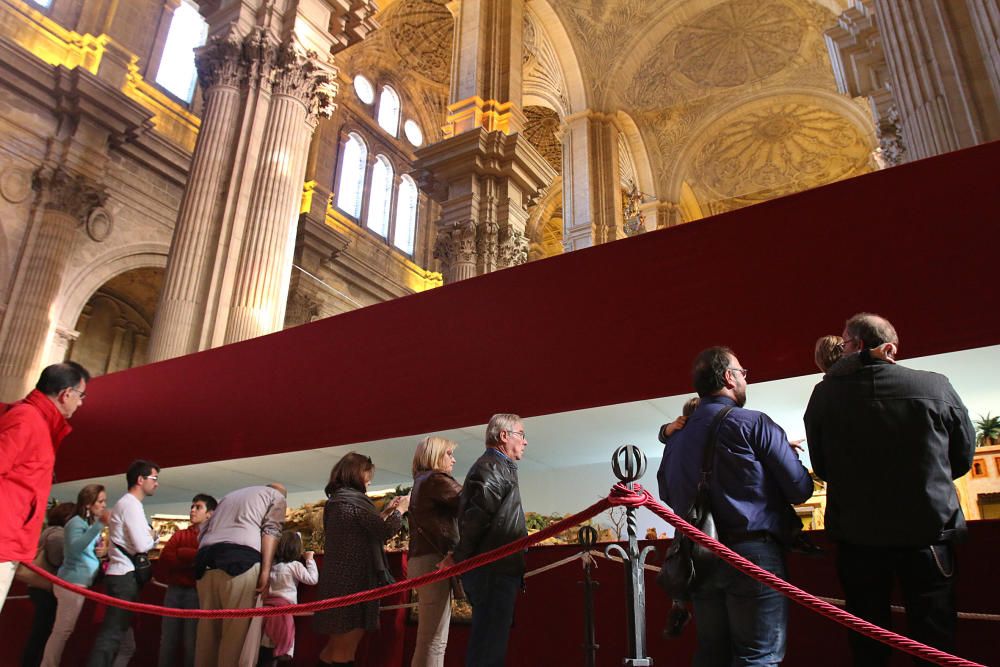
{"points": [[866, 416]]}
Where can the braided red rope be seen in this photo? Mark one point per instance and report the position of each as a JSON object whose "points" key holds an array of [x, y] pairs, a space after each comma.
{"points": [[345, 600], [798, 595]]}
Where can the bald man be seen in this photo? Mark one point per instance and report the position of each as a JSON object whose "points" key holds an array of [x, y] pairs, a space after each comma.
{"points": [[235, 551]]}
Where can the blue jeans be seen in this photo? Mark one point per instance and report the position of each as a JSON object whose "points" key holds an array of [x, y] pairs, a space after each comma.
{"points": [[741, 621], [492, 597], [178, 632]]}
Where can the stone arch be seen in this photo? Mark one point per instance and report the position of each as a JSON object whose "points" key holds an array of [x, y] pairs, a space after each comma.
{"points": [[574, 96], [86, 280], [772, 117], [544, 226]]}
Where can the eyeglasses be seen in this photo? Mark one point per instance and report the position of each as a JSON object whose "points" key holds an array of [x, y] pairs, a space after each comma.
{"points": [[81, 394], [842, 345], [518, 433], [744, 371], [153, 477]]}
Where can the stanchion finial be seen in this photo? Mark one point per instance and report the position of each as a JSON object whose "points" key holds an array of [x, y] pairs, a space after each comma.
{"points": [[628, 463], [587, 536]]}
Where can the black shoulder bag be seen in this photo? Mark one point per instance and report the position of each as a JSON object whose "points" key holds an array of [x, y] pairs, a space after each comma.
{"points": [[688, 563], [143, 567]]}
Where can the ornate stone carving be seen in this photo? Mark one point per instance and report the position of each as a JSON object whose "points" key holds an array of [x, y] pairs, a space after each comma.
{"points": [[456, 243], [513, 247], [298, 74], [258, 57], [488, 245], [892, 151], [99, 224], [74, 195], [542, 75], [220, 62], [15, 184], [421, 33], [543, 131], [738, 42]]}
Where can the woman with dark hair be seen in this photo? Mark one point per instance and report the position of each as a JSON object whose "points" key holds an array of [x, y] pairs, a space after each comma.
{"points": [[50, 557], [82, 556], [354, 557], [433, 536]]}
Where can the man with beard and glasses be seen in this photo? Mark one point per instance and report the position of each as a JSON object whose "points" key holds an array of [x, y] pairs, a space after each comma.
{"points": [[755, 479]]}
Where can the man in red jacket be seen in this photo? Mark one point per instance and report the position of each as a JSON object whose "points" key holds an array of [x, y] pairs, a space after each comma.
{"points": [[30, 433], [176, 570]]}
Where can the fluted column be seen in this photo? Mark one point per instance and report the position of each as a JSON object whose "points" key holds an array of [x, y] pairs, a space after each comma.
{"points": [[941, 90], [26, 337], [265, 263], [985, 15], [179, 316]]}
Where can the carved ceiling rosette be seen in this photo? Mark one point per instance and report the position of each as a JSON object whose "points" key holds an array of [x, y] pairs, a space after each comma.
{"points": [[421, 33], [75, 196], [776, 148], [738, 42]]}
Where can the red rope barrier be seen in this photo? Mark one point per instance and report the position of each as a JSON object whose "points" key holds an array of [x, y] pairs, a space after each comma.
{"points": [[620, 495], [345, 600], [801, 597]]}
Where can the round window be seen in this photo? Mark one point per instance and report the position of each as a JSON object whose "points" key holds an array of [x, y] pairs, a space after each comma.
{"points": [[363, 87], [413, 133]]}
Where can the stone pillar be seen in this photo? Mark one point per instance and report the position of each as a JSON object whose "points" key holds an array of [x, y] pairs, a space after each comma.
{"points": [[484, 174], [268, 76], [929, 68], [592, 199], [26, 338], [265, 265], [179, 315]]}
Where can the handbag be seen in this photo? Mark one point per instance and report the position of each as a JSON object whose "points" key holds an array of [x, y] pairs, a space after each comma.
{"points": [[143, 567], [687, 563], [32, 578]]}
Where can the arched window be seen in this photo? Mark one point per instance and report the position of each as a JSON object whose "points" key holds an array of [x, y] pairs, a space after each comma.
{"points": [[364, 90], [380, 200], [406, 215], [388, 111], [353, 162], [176, 72]]}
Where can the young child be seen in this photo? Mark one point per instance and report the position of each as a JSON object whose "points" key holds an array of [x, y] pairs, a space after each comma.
{"points": [[291, 567]]}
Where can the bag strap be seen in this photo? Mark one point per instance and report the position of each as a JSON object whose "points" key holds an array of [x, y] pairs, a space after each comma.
{"points": [[708, 462]]}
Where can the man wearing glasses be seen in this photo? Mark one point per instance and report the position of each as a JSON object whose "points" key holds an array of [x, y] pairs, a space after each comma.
{"points": [[31, 431], [755, 478], [489, 516], [129, 535], [882, 435]]}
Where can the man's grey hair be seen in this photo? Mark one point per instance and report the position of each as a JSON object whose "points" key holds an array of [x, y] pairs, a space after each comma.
{"points": [[871, 329], [499, 423]]}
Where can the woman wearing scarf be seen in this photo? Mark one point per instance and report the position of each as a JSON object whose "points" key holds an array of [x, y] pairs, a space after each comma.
{"points": [[354, 557]]}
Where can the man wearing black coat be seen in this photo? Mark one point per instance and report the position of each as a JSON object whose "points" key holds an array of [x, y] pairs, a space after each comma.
{"points": [[490, 515], [889, 441]]}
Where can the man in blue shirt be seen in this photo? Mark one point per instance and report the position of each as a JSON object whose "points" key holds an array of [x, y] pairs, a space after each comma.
{"points": [[756, 478]]}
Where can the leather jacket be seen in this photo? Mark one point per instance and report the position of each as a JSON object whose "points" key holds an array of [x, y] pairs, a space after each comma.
{"points": [[490, 513], [433, 513]]}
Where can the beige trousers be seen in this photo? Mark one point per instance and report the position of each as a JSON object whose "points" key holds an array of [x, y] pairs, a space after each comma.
{"points": [[220, 641], [7, 570], [433, 614]]}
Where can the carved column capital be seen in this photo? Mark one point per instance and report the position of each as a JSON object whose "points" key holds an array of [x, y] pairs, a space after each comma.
{"points": [[220, 62], [299, 74], [513, 249], [75, 196]]}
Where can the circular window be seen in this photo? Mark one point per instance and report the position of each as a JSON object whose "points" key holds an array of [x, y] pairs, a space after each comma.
{"points": [[363, 87], [413, 133]]}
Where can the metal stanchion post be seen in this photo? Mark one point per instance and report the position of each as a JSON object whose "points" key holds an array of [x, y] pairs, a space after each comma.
{"points": [[629, 464], [588, 538]]}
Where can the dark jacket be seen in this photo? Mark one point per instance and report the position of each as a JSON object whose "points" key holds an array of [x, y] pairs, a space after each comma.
{"points": [[433, 513], [490, 513], [889, 440]]}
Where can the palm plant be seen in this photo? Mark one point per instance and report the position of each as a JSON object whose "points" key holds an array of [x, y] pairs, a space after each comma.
{"points": [[987, 430]]}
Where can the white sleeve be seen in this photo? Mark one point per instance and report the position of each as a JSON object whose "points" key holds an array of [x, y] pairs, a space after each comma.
{"points": [[307, 574], [138, 534]]}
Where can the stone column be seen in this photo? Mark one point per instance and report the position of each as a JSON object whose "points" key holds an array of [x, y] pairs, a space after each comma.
{"points": [[179, 315], [26, 338], [592, 198], [484, 174], [265, 264], [929, 68]]}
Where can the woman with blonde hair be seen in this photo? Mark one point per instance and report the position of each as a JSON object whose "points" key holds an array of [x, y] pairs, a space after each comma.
{"points": [[433, 536]]}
